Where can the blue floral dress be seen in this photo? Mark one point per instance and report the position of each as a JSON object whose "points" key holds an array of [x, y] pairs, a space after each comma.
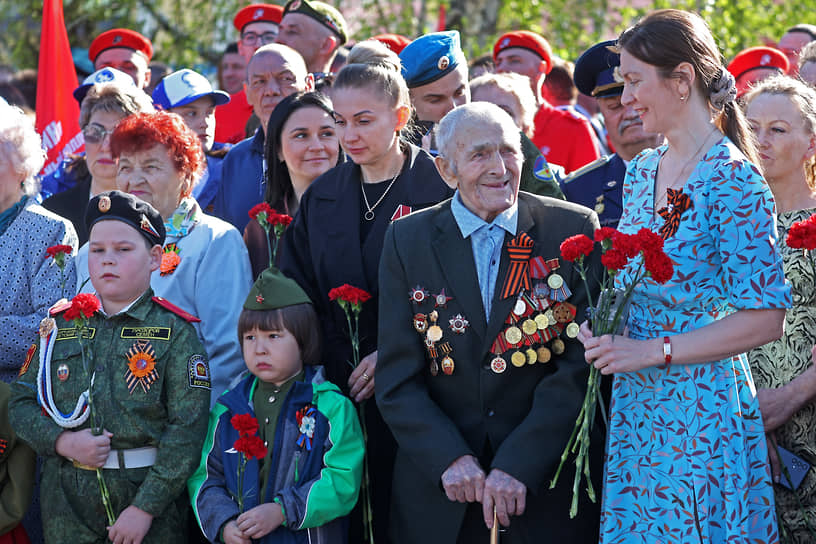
{"points": [[687, 460]]}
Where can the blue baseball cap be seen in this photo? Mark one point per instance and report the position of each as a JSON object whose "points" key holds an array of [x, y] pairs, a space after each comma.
{"points": [[103, 75], [183, 87], [430, 57], [594, 72]]}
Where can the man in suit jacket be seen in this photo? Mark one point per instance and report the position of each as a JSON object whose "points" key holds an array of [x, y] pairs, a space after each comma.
{"points": [[481, 410]]}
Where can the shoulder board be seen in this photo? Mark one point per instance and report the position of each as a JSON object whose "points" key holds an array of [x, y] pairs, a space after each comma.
{"points": [[594, 165], [167, 305], [60, 306]]}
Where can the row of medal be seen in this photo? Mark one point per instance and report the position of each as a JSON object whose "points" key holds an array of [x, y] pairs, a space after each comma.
{"points": [[427, 325]]}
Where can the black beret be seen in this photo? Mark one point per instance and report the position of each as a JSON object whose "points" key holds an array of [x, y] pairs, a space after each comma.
{"points": [[129, 209]]}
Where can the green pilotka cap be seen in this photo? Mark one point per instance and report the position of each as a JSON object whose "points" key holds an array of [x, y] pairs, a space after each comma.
{"points": [[273, 290]]}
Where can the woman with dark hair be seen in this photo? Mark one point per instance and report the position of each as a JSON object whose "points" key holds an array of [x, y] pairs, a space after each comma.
{"points": [[686, 454], [159, 159], [338, 233], [782, 113], [301, 144]]}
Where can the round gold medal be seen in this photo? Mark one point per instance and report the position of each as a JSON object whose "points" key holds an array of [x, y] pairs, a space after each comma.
{"points": [[572, 330], [529, 326], [542, 322], [435, 333], [518, 359], [447, 366], [512, 335], [543, 354], [557, 346], [555, 281], [498, 365], [532, 356], [550, 317]]}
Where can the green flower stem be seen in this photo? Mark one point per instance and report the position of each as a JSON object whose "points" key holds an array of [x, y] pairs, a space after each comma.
{"points": [[241, 469], [368, 513]]}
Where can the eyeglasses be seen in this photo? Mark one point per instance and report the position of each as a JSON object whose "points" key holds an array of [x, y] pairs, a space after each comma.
{"points": [[94, 133], [251, 38]]}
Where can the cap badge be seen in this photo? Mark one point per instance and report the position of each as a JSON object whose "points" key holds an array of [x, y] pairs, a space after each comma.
{"points": [[765, 60], [117, 38], [147, 227], [185, 80], [259, 299], [104, 203], [443, 63], [294, 6], [103, 76], [505, 42], [616, 73], [258, 14]]}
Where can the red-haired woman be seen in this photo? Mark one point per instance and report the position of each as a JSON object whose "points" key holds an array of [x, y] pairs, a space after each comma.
{"points": [[205, 268]]}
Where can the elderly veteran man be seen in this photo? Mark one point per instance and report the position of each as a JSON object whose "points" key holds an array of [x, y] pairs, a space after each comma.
{"points": [[274, 72], [316, 30], [123, 49], [479, 386], [435, 69], [599, 185]]}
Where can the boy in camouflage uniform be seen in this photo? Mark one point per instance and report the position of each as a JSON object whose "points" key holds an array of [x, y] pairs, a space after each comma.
{"points": [[151, 392]]}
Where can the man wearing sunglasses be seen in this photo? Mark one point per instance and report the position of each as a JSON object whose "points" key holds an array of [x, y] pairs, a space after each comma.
{"points": [[257, 25]]}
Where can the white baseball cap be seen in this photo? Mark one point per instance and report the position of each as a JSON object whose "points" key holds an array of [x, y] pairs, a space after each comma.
{"points": [[103, 75], [183, 87]]}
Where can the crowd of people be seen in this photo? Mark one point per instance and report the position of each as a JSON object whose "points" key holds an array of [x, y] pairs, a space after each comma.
{"points": [[327, 299]]}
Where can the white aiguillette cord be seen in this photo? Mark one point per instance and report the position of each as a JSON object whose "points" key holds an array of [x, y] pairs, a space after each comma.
{"points": [[81, 411]]}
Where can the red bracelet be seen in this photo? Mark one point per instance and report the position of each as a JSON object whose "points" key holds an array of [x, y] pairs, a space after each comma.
{"points": [[667, 354]]}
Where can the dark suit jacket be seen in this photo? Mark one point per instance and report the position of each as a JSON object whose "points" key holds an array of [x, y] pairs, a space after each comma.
{"points": [[518, 421]]}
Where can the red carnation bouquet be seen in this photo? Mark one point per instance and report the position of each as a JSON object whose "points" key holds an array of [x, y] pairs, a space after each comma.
{"points": [[802, 235], [249, 445], [270, 221], [644, 251], [351, 300], [58, 253]]}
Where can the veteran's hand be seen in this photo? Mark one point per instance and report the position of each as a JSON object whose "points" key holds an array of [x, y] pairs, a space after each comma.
{"points": [[507, 494], [361, 381], [84, 447], [464, 480], [131, 526], [233, 535], [776, 407], [260, 521]]}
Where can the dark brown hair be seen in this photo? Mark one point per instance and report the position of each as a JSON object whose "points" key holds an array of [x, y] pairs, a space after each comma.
{"points": [[300, 320], [668, 37]]}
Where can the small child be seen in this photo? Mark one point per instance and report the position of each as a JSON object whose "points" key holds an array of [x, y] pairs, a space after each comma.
{"points": [[310, 476], [151, 392]]}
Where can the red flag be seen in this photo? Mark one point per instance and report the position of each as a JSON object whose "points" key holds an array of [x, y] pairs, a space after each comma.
{"points": [[57, 111], [440, 26]]}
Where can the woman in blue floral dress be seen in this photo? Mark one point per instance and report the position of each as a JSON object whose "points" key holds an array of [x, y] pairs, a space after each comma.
{"points": [[687, 459]]}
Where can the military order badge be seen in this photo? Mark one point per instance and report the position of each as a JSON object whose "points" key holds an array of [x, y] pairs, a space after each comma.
{"points": [[141, 366]]}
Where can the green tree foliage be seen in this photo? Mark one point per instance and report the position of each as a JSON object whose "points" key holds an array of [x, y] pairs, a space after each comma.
{"points": [[192, 32]]}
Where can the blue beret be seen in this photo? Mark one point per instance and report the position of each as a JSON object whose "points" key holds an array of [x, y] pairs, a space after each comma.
{"points": [[430, 57], [594, 72]]}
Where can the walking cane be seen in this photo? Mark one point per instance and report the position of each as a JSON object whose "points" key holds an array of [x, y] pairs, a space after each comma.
{"points": [[494, 532]]}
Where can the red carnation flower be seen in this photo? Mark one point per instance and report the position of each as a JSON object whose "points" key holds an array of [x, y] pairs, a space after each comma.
{"points": [[626, 244], [280, 219], [576, 247], [82, 305], [349, 294], [802, 234], [604, 233], [659, 266], [648, 241], [53, 251], [251, 446], [263, 207], [245, 424], [614, 259]]}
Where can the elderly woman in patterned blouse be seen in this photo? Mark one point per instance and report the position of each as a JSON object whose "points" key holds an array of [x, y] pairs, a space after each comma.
{"points": [[29, 283]]}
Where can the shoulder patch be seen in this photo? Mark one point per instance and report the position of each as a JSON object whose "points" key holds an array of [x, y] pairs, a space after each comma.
{"points": [[594, 165], [167, 305], [60, 306], [198, 371], [28, 359]]}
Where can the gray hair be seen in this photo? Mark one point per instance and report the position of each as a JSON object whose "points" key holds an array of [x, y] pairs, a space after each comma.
{"points": [[22, 145], [516, 84], [110, 97], [464, 116], [288, 54], [807, 54]]}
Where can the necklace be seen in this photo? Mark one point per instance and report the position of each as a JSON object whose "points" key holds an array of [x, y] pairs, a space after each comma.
{"points": [[665, 194], [369, 215]]}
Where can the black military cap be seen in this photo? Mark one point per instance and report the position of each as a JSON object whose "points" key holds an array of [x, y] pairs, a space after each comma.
{"points": [[129, 209], [594, 72]]}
